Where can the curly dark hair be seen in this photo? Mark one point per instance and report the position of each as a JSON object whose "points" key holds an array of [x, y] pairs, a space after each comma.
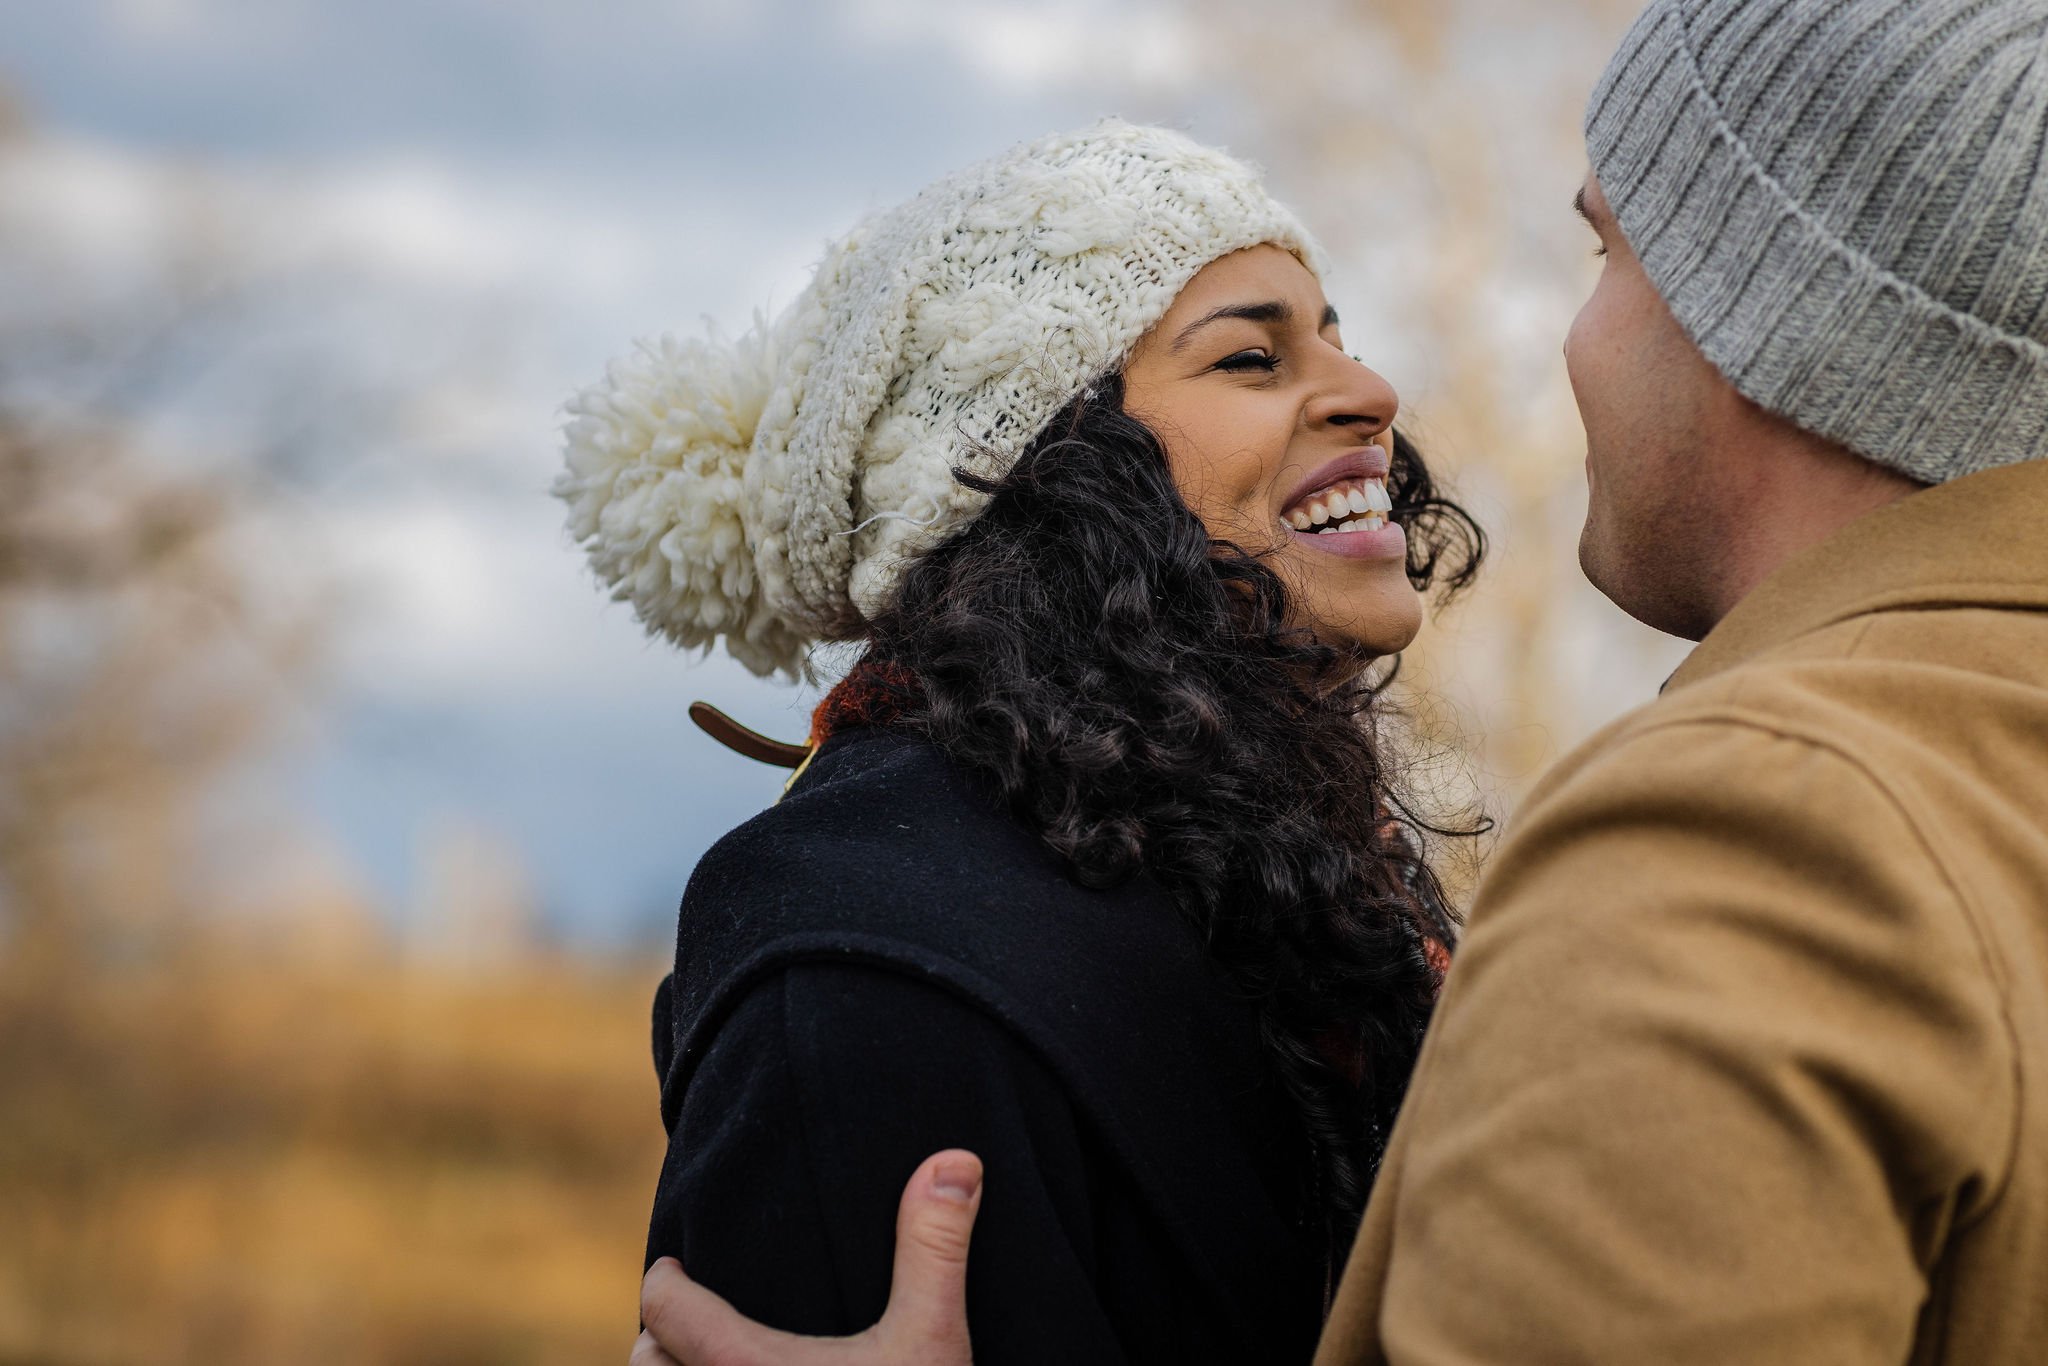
{"points": [[1135, 692]]}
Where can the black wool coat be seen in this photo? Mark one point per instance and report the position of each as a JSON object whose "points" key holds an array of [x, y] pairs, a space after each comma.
{"points": [[886, 964]]}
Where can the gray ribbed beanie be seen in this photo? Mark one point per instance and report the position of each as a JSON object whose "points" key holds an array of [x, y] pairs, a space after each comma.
{"points": [[1845, 205]]}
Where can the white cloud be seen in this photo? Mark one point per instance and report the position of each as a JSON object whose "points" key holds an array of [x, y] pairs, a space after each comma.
{"points": [[407, 225], [454, 601], [87, 202], [1033, 47], [215, 27]]}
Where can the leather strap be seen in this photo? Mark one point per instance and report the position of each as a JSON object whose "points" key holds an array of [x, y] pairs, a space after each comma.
{"points": [[740, 740]]}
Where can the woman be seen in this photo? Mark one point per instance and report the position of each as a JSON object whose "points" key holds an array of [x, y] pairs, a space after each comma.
{"points": [[1090, 868]]}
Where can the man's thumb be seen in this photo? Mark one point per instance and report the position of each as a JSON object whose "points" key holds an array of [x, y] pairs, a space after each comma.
{"points": [[927, 1317]]}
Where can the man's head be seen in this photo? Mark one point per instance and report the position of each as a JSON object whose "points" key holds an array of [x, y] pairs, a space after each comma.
{"points": [[1694, 493], [1826, 283]]}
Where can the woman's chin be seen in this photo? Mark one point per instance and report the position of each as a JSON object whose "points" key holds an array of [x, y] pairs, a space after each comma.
{"points": [[1380, 644], [1381, 620]]}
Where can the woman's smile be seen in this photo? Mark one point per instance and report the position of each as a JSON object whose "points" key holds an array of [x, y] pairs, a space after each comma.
{"points": [[1345, 509]]}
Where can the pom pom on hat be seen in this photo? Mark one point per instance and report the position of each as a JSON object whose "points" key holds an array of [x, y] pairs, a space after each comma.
{"points": [[656, 481]]}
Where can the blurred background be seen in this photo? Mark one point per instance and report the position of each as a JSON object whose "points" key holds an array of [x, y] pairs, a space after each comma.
{"points": [[342, 820]]}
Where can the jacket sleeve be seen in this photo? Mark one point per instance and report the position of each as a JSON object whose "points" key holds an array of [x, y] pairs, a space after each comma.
{"points": [[818, 1097], [1718, 1067]]}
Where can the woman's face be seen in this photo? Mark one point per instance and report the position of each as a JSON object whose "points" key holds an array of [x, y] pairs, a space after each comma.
{"points": [[1275, 436]]}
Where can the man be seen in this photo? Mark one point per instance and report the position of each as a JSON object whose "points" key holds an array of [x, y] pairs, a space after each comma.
{"points": [[1745, 1055]]}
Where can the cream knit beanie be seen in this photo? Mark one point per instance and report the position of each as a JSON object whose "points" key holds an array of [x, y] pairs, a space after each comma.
{"points": [[770, 490], [1845, 205]]}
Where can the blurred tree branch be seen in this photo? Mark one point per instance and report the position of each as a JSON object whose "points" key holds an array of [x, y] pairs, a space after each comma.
{"points": [[159, 613], [139, 653]]}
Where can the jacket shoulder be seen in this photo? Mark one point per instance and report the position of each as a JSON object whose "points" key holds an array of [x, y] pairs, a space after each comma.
{"points": [[885, 836], [888, 854], [1722, 725]]}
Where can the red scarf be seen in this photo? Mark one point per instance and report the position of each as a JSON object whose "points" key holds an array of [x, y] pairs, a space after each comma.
{"points": [[873, 694]]}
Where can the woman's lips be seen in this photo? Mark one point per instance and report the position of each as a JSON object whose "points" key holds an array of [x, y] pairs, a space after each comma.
{"points": [[1389, 542], [1369, 462]]}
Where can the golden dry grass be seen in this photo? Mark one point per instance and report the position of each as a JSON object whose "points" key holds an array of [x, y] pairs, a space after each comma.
{"points": [[230, 1161]]}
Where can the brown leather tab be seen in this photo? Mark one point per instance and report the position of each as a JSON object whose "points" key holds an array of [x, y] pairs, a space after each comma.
{"points": [[740, 740]]}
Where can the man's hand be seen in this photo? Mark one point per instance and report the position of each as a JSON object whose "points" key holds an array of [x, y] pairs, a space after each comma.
{"points": [[924, 1325]]}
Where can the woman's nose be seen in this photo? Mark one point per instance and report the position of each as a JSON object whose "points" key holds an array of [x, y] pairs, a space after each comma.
{"points": [[1353, 395]]}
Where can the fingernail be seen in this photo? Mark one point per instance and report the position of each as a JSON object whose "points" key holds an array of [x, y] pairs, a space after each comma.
{"points": [[956, 1179]]}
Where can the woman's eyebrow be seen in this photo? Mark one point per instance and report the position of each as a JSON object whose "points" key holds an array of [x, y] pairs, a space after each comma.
{"points": [[1271, 311]]}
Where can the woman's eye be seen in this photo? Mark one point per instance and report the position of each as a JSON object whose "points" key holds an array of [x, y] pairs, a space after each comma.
{"points": [[1249, 360]]}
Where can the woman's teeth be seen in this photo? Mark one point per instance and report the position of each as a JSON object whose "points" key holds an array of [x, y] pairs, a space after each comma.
{"points": [[1354, 505]]}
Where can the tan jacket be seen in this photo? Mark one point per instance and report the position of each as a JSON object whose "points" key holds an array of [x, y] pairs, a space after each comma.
{"points": [[1745, 1057]]}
